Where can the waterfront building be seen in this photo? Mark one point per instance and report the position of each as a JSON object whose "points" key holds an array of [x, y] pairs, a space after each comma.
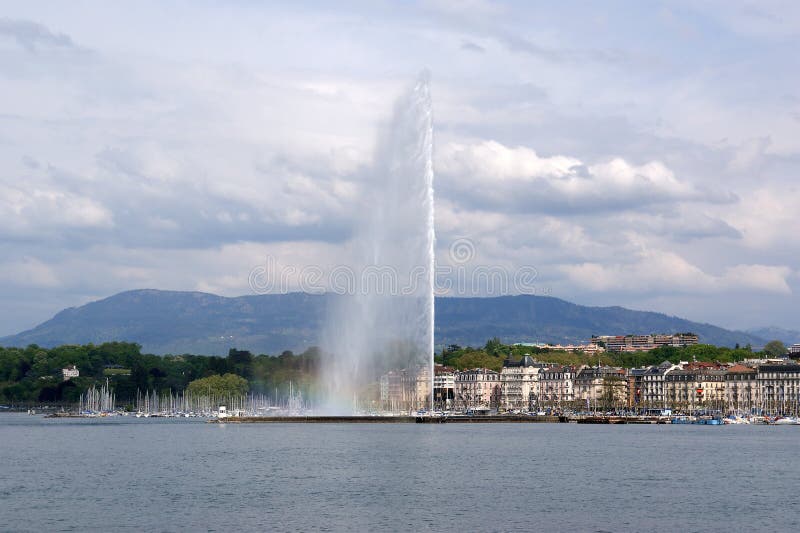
{"points": [[779, 387], [406, 389], [443, 386], [556, 386], [694, 388], [794, 349], [70, 372], [635, 387], [652, 390], [602, 388], [423, 387], [742, 393], [478, 387], [519, 384], [392, 393]]}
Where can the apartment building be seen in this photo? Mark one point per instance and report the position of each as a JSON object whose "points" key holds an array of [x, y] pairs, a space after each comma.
{"points": [[519, 384], [556, 386], [478, 387]]}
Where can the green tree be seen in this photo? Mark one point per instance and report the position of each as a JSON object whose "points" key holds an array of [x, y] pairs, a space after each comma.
{"points": [[478, 359], [221, 386], [775, 348], [241, 362], [493, 346]]}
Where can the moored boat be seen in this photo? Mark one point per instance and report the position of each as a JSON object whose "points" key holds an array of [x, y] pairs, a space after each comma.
{"points": [[786, 421]]}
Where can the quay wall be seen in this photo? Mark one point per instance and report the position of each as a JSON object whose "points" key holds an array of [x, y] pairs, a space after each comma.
{"points": [[384, 419]]}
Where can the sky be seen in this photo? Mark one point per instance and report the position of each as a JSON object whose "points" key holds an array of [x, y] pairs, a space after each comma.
{"points": [[642, 154]]}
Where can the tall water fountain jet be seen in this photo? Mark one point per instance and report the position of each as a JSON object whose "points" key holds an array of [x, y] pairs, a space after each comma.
{"points": [[378, 339]]}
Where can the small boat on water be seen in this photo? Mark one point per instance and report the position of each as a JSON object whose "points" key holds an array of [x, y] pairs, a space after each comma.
{"points": [[786, 421], [705, 420], [708, 421], [735, 419]]}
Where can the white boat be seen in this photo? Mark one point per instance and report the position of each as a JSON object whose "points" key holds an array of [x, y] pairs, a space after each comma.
{"points": [[786, 421], [736, 419]]}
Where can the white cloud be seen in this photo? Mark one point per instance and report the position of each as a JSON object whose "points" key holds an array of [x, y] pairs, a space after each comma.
{"points": [[493, 161], [667, 169], [660, 271], [768, 218], [29, 272], [758, 277], [32, 36], [28, 210], [493, 175], [749, 155]]}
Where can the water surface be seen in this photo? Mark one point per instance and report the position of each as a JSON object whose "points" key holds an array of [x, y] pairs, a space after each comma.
{"points": [[177, 475]]}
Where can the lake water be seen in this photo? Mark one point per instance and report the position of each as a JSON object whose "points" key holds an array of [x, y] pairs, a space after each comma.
{"points": [[174, 475]]}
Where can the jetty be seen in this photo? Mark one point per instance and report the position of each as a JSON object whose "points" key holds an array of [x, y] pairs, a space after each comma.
{"points": [[489, 419], [311, 419], [403, 419], [448, 419]]}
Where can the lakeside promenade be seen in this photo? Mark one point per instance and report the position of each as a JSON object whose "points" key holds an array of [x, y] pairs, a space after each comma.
{"points": [[402, 419], [466, 419]]}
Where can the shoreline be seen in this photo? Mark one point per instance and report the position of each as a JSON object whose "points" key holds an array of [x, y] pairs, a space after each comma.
{"points": [[383, 420]]}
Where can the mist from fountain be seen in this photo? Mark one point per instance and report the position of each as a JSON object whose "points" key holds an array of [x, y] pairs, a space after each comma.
{"points": [[385, 325]]}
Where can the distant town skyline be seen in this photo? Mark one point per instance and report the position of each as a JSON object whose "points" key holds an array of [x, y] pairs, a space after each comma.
{"points": [[643, 155]]}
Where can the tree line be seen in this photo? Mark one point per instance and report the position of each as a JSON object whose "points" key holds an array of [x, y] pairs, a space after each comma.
{"points": [[495, 352], [34, 374]]}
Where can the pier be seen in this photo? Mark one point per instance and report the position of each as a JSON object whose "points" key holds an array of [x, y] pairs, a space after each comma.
{"points": [[489, 419], [387, 419], [451, 419], [314, 420]]}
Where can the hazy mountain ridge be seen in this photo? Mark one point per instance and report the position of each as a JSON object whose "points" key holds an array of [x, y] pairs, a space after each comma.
{"points": [[787, 336], [194, 322]]}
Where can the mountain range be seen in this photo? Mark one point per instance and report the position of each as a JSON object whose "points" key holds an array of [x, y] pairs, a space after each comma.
{"points": [[194, 322], [786, 336]]}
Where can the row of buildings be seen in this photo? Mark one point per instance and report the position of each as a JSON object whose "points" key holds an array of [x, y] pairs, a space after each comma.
{"points": [[643, 343], [769, 386], [621, 343]]}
